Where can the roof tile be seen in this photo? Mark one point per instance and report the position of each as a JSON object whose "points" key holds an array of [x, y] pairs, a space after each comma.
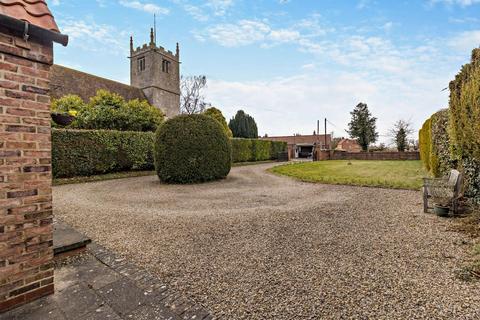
{"points": [[33, 11]]}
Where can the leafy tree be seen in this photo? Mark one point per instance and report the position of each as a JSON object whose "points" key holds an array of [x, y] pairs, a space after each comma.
{"points": [[217, 115], [243, 126], [363, 126], [400, 134], [191, 98]]}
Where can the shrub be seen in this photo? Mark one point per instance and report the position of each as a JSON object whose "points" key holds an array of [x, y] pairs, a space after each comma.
{"points": [[425, 143], [89, 152], [192, 148], [109, 111], [217, 115], [244, 150], [67, 103]]}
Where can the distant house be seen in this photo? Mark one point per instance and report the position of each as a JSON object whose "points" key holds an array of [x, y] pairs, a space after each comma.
{"points": [[300, 146], [348, 145]]}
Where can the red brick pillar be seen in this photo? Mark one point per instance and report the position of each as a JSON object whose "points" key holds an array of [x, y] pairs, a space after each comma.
{"points": [[26, 245]]}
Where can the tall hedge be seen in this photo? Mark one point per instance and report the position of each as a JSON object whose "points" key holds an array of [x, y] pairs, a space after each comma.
{"points": [[244, 150], [464, 127], [90, 152], [192, 148], [440, 158]]}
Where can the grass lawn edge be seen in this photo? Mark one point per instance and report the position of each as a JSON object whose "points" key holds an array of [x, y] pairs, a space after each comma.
{"points": [[272, 170]]}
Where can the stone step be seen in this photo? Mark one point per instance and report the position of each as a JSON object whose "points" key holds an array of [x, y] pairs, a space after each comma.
{"points": [[67, 241]]}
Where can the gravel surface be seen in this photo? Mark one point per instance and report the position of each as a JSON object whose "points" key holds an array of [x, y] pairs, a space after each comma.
{"points": [[259, 246]]}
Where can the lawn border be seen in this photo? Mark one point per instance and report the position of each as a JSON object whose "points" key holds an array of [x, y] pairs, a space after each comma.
{"points": [[270, 170]]}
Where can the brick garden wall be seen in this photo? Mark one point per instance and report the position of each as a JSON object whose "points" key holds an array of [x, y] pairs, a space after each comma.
{"points": [[26, 254], [339, 155]]}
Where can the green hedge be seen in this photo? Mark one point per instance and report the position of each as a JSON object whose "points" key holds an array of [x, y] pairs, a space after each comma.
{"points": [[425, 143], [440, 159], [242, 150], [90, 152], [464, 128], [451, 138], [245, 150]]}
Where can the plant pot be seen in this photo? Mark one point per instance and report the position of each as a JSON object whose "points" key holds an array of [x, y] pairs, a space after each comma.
{"points": [[441, 211], [62, 119]]}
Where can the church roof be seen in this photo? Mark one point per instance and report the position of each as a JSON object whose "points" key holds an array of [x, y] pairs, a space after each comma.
{"points": [[65, 81], [35, 12]]}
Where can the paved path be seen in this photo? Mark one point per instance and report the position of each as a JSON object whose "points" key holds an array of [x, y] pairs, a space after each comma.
{"points": [[99, 285], [258, 246]]}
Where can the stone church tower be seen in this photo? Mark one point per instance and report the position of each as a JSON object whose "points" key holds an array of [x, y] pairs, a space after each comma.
{"points": [[157, 72]]}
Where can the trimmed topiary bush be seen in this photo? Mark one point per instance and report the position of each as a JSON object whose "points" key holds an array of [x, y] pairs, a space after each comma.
{"points": [[192, 148]]}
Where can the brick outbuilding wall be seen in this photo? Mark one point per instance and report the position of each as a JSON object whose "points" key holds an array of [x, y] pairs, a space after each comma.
{"points": [[26, 253]]}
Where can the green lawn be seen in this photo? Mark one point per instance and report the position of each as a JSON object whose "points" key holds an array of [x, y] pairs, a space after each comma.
{"points": [[389, 174]]}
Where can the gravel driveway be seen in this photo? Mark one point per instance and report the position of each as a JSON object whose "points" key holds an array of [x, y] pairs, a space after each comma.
{"points": [[258, 246]]}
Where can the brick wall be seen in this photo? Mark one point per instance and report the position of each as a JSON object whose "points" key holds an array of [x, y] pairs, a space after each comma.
{"points": [[26, 254], [340, 155]]}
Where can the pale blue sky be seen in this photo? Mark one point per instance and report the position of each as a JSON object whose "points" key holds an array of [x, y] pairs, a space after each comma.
{"points": [[288, 62]]}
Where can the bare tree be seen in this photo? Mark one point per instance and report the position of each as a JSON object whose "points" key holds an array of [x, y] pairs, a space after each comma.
{"points": [[192, 99], [400, 134]]}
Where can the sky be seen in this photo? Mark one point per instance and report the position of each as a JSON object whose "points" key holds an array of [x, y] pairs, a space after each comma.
{"points": [[288, 63]]}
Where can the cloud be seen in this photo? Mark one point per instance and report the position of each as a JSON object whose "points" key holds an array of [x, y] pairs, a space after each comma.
{"points": [[91, 36], [196, 12], [362, 4], [143, 6], [219, 7], [463, 3], [248, 32], [465, 41], [242, 33]]}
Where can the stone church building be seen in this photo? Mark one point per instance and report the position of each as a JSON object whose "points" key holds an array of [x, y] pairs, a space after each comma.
{"points": [[154, 76]]}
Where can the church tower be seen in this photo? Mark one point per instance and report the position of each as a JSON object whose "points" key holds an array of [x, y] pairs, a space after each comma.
{"points": [[157, 72]]}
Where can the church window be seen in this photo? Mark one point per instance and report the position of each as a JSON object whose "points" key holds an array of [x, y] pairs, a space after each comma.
{"points": [[141, 64], [166, 66]]}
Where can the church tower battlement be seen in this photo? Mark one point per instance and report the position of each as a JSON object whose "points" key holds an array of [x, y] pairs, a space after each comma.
{"points": [[156, 71]]}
